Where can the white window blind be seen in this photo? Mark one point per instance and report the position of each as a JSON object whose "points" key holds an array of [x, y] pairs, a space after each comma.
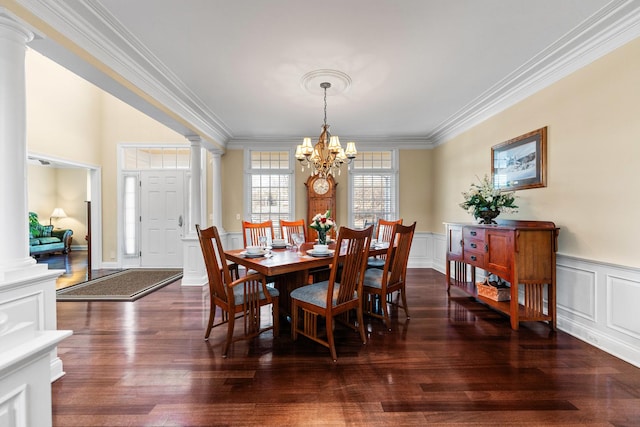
{"points": [[373, 188], [271, 186]]}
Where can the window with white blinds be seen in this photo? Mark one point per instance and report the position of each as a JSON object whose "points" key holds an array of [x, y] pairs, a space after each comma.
{"points": [[270, 177], [373, 188]]}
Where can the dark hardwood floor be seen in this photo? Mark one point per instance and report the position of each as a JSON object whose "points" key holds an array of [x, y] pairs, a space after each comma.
{"points": [[455, 362]]}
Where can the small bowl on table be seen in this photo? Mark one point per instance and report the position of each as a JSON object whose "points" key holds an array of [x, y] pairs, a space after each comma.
{"points": [[320, 249], [253, 250]]}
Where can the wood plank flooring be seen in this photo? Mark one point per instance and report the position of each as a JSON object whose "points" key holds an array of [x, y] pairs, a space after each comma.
{"points": [[74, 266], [455, 362]]}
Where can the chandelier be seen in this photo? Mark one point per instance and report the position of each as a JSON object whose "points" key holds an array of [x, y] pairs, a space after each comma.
{"points": [[327, 155]]}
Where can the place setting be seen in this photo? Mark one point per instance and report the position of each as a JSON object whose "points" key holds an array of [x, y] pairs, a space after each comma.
{"points": [[279, 244], [320, 251], [256, 252]]}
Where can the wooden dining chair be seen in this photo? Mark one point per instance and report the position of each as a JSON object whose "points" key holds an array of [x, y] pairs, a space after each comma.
{"points": [[380, 284], [384, 234], [242, 297], [288, 228], [337, 296], [252, 231]]}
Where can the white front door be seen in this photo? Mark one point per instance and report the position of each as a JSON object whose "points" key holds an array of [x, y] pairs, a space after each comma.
{"points": [[162, 218]]}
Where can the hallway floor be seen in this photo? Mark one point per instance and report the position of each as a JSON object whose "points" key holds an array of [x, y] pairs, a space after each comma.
{"points": [[74, 265]]}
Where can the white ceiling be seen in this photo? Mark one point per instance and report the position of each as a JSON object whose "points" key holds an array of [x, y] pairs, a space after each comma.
{"points": [[421, 70]]}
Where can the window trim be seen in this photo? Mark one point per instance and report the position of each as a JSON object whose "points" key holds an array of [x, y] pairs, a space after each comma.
{"points": [[248, 172], [394, 171]]}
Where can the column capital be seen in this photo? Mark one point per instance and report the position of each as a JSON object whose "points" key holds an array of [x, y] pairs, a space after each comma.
{"points": [[194, 139], [12, 29]]}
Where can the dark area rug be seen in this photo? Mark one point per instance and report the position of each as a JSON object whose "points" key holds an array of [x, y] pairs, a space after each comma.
{"points": [[127, 285]]}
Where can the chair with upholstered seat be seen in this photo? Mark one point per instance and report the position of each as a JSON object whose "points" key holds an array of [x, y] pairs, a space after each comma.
{"points": [[242, 297], [380, 284], [288, 228], [384, 234], [336, 297]]}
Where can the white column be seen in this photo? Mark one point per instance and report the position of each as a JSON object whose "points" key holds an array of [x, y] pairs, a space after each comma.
{"points": [[193, 269], [216, 190], [27, 289], [14, 245], [195, 209]]}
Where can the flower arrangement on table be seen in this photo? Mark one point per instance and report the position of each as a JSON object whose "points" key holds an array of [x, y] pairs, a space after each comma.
{"points": [[322, 224], [485, 202]]}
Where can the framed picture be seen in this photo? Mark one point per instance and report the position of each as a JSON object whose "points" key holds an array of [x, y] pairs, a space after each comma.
{"points": [[520, 163]]}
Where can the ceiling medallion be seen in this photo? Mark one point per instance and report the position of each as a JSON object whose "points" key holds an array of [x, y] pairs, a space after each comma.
{"points": [[339, 81]]}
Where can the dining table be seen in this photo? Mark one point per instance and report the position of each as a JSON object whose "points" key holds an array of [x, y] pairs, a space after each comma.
{"points": [[288, 268]]}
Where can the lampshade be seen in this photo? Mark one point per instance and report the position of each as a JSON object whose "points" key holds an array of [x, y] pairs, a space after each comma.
{"points": [[58, 213]]}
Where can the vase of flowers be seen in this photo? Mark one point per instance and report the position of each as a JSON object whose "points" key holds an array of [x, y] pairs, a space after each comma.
{"points": [[485, 202], [322, 223]]}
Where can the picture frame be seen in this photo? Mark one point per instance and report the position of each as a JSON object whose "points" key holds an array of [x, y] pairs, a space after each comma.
{"points": [[520, 163]]}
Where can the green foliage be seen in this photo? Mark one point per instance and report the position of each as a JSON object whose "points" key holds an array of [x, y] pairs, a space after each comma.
{"points": [[484, 197]]}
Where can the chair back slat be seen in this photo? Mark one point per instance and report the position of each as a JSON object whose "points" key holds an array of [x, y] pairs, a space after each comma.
{"points": [[288, 228], [385, 229], [350, 258], [252, 231], [215, 262], [397, 265]]}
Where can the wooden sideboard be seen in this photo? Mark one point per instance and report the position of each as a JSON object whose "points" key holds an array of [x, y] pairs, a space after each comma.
{"points": [[522, 253]]}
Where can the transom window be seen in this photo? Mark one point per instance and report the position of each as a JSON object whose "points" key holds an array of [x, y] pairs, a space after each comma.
{"points": [[270, 177], [142, 158], [373, 188]]}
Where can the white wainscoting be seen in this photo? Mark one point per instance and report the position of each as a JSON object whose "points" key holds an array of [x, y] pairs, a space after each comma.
{"points": [[598, 303]]}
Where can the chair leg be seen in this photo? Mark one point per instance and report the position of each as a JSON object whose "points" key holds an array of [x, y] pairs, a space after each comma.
{"points": [[330, 341], [385, 312], [404, 301], [227, 344], [294, 320], [361, 324], [212, 315], [276, 316]]}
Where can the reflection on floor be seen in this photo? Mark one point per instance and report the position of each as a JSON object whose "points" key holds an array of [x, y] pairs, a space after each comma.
{"points": [[74, 265]]}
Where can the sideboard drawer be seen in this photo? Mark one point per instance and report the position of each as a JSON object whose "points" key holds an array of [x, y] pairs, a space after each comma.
{"points": [[474, 258], [475, 245], [469, 233]]}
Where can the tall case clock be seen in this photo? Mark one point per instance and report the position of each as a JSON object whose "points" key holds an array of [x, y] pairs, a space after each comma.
{"points": [[321, 196]]}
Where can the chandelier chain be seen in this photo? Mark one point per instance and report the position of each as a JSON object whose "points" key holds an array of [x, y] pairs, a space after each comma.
{"points": [[325, 106]]}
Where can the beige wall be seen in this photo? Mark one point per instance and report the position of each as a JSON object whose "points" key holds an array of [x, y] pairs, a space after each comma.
{"points": [[415, 185], [71, 119], [41, 186], [593, 149], [49, 188], [63, 112], [593, 127], [71, 190]]}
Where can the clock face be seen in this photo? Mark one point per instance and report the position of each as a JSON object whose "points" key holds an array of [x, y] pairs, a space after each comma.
{"points": [[320, 186]]}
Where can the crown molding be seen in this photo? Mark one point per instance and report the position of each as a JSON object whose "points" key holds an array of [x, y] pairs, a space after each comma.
{"points": [[362, 143], [92, 33], [611, 27], [121, 56]]}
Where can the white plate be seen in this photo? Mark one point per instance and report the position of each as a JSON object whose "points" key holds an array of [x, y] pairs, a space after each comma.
{"points": [[323, 254], [259, 254]]}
